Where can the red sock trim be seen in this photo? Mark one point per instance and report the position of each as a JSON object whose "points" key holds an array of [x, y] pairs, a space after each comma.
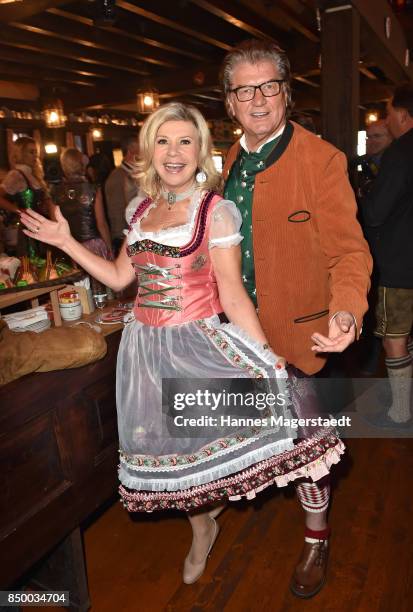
{"points": [[323, 534]]}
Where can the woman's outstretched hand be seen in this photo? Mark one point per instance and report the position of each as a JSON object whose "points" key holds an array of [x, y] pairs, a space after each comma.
{"points": [[45, 230]]}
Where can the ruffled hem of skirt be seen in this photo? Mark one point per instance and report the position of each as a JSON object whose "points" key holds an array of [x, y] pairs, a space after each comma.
{"points": [[310, 459], [140, 478]]}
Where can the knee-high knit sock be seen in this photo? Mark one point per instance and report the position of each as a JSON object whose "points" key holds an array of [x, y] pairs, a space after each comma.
{"points": [[314, 497], [399, 370]]}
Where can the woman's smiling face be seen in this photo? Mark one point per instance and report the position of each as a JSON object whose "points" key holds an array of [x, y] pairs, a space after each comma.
{"points": [[176, 153]]}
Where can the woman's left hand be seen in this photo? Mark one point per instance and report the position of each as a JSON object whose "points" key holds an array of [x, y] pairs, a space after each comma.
{"points": [[51, 232]]}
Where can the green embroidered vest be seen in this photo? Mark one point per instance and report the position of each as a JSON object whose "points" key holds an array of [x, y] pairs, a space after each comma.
{"points": [[240, 189]]}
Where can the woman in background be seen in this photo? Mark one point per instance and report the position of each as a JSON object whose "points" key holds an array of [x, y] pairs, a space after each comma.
{"points": [[24, 187], [81, 204]]}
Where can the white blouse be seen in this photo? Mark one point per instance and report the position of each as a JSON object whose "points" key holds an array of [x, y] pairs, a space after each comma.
{"points": [[224, 230]]}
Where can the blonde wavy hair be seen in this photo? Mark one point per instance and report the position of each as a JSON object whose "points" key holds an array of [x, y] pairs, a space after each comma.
{"points": [[146, 174], [17, 155]]}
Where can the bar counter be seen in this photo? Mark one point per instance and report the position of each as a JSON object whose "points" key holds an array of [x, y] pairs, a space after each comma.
{"points": [[58, 463]]}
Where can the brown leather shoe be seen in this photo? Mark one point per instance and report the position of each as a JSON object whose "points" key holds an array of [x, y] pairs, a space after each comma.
{"points": [[310, 574]]}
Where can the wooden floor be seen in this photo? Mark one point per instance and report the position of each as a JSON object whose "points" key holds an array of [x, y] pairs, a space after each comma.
{"points": [[134, 564]]}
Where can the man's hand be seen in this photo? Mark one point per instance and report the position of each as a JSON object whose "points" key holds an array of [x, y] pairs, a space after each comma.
{"points": [[341, 333]]}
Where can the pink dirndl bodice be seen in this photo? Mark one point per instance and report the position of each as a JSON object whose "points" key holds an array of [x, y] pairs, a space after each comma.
{"points": [[176, 284]]}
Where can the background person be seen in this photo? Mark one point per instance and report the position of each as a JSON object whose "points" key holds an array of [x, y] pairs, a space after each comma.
{"points": [[120, 188], [388, 215], [24, 187], [378, 138], [81, 204]]}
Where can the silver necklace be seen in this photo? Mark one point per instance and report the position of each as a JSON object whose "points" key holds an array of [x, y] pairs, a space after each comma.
{"points": [[171, 197]]}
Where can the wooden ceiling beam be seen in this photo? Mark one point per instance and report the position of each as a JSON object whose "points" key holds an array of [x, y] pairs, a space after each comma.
{"points": [[374, 91], [371, 92], [31, 41], [124, 93], [304, 99], [280, 17], [23, 10], [307, 81], [238, 16], [52, 26], [61, 86], [125, 33], [199, 92], [368, 73], [45, 73], [173, 24], [20, 56], [184, 80], [390, 50], [373, 51]]}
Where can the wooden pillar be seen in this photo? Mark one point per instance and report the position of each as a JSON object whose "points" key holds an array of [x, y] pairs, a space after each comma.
{"points": [[340, 83], [39, 141], [90, 147], [70, 141], [9, 141]]}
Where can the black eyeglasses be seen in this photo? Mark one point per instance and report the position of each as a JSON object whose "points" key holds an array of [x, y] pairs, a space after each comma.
{"points": [[268, 90]]}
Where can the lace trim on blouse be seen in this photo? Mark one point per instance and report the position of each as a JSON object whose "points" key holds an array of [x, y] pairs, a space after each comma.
{"points": [[224, 229]]}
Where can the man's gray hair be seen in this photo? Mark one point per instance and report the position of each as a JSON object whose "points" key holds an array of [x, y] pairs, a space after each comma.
{"points": [[253, 51]]}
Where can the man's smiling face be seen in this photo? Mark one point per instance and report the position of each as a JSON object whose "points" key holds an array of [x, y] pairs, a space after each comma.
{"points": [[262, 116]]}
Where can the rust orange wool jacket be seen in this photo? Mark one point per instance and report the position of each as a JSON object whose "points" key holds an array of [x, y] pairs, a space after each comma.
{"points": [[310, 257]]}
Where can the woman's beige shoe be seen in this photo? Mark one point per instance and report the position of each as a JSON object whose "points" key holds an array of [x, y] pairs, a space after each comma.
{"points": [[193, 571], [216, 511]]}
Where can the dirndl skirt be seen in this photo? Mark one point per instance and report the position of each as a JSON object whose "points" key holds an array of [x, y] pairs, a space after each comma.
{"points": [[165, 465]]}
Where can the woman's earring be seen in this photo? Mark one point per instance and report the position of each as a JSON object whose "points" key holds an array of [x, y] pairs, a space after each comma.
{"points": [[201, 177]]}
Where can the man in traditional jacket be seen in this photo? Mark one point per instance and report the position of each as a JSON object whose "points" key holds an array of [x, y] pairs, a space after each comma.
{"points": [[388, 214], [305, 262]]}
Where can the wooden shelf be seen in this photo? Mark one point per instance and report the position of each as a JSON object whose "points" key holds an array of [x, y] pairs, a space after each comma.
{"points": [[9, 299]]}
